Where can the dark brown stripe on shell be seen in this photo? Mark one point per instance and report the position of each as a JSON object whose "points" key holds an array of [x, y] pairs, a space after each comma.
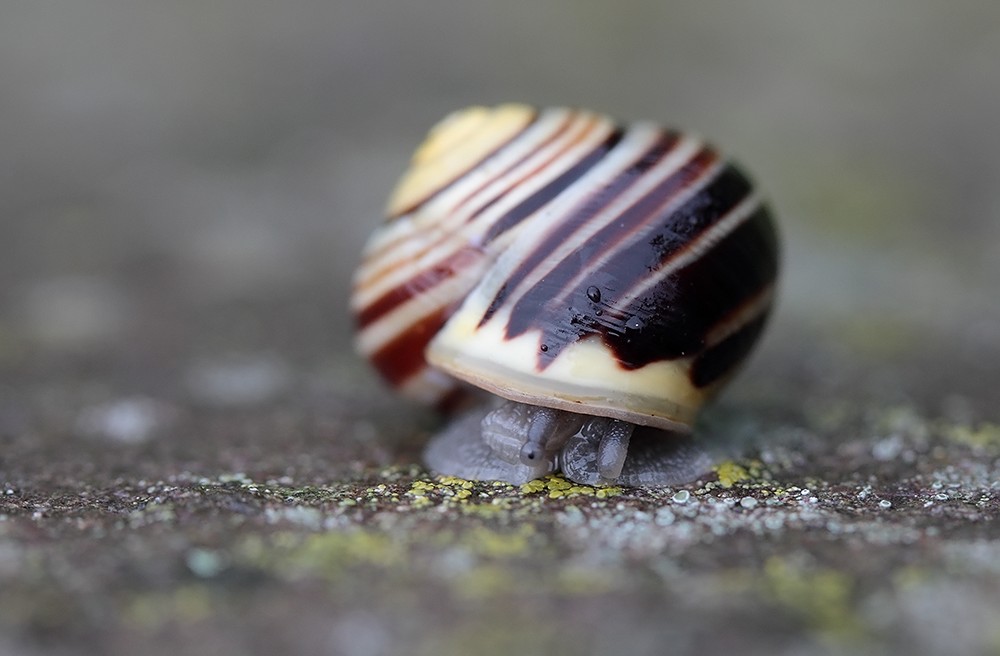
{"points": [[585, 211], [545, 195], [671, 320], [447, 185], [655, 326], [566, 124], [674, 318], [403, 357], [418, 283], [719, 360], [424, 280], [620, 268]]}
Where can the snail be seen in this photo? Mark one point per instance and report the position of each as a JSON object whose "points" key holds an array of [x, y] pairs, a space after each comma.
{"points": [[600, 281]]}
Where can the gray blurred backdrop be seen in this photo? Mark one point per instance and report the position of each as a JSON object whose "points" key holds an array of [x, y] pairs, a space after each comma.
{"points": [[180, 178], [185, 186]]}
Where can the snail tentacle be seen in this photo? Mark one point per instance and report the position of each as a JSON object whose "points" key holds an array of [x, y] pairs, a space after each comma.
{"points": [[659, 459], [613, 448], [527, 434], [459, 450]]}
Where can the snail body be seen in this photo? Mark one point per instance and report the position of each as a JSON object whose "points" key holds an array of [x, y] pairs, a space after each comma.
{"points": [[604, 279]]}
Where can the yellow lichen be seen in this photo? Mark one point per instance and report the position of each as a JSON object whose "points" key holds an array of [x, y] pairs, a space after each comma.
{"points": [[187, 603], [455, 481], [748, 473], [500, 544], [731, 473], [492, 508], [330, 554], [420, 488], [982, 436], [444, 489], [487, 581], [586, 581], [531, 487], [421, 502], [558, 487], [822, 597]]}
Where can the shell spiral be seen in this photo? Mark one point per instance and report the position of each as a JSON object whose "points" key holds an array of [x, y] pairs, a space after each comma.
{"points": [[559, 258]]}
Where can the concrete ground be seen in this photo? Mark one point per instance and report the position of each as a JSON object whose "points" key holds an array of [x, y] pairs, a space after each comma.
{"points": [[192, 459]]}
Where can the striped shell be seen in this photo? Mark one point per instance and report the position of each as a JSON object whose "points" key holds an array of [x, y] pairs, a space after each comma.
{"points": [[559, 259]]}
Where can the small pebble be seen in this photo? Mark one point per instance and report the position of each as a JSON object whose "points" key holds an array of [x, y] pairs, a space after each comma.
{"points": [[885, 504], [774, 522], [681, 496], [128, 420], [204, 563], [888, 449], [239, 380], [664, 517], [748, 503]]}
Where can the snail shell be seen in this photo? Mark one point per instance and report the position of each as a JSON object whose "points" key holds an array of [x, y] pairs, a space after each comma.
{"points": [[558, 259]]}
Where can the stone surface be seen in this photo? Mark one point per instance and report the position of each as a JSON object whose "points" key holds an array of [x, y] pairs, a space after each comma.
{"points": [[192, 460]]}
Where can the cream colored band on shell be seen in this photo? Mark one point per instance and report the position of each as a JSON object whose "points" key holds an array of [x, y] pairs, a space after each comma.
{"points": [[584, 378], [478, 130]]}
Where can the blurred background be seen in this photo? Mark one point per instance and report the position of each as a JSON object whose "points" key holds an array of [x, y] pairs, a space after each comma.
{"points": [[185, 186]]}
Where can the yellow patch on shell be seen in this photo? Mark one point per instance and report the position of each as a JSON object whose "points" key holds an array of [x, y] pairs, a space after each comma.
{"points": [[478, 130]]}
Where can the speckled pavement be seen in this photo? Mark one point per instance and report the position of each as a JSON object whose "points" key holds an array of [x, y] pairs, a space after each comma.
{"points": [[192, 459]]}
